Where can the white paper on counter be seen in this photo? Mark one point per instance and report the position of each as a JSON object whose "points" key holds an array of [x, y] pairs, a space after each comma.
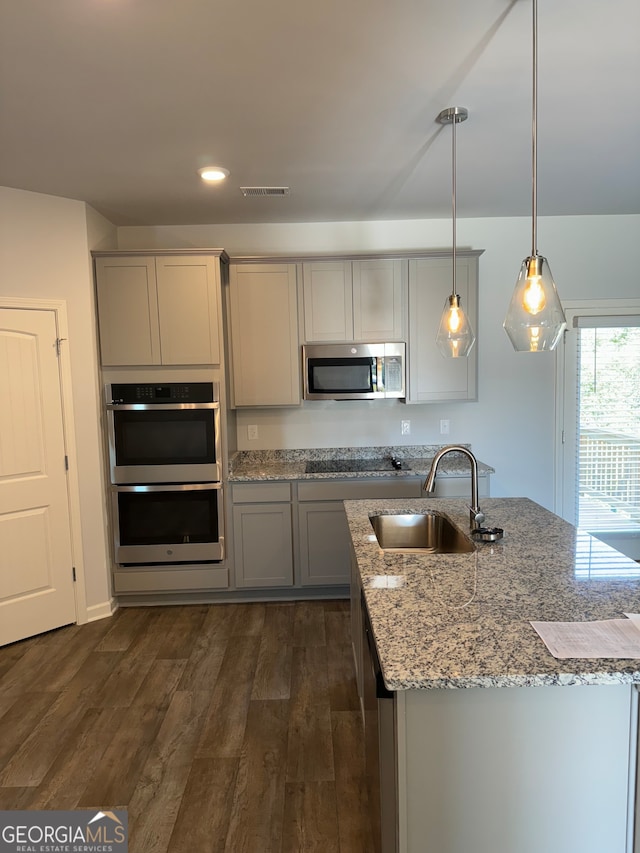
{"points": [[610, 638], [635, 618]]}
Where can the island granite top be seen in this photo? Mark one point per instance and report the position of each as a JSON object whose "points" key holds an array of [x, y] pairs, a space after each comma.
{"points": [[257, 465], [463, 620]]}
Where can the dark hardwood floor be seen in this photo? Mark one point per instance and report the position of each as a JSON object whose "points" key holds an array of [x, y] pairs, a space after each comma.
{"points": [[229, 727]]}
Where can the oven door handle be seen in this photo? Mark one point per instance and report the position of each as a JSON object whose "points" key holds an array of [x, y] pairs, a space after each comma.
{"points": [[159, 407], [170, 487]]}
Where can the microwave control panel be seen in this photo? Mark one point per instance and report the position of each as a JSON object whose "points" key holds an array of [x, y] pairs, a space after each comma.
{"points": [[393, 373]]}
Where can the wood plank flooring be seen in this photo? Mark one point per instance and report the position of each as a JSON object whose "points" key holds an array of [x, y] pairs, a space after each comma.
{"points": [[230, 728]]}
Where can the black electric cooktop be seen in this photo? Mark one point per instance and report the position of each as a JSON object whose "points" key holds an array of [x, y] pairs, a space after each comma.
{"points": [[338, 466]]}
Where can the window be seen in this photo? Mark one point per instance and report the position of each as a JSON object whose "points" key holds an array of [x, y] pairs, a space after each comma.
{"points": [[599, 409]]}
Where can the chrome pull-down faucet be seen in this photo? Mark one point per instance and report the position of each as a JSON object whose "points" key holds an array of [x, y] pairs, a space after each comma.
{"points": [[476, 516]]}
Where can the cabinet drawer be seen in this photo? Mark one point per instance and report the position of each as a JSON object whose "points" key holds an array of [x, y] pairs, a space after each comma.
{"points": [[255, 493], [170, 580], [343, 490]]}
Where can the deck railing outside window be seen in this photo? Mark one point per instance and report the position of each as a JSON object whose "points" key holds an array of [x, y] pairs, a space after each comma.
{"points": [[609, 480]]}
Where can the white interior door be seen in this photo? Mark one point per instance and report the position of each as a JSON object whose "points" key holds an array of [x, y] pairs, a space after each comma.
{"points": [[36, 581]]}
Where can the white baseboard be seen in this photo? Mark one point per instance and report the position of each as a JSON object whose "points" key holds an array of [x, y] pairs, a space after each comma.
{"points": [[102, 611]]}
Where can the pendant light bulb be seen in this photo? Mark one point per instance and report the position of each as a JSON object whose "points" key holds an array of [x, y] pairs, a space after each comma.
{"points": [[454, 320], [533, 297], [535, 320], [455, 338]]}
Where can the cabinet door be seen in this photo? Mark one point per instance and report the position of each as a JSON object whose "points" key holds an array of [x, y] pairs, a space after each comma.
{"points": [[264, 335], [188, 310], [127, 311], [325, 544], [263, 545], [328, 305], [432, 377], [379, 300]]}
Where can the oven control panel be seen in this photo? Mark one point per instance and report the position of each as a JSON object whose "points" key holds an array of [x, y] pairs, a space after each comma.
{"points": [[127, 393]]}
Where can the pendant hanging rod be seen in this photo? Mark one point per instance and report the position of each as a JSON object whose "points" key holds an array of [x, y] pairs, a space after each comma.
{"points": [[453, 115], [453, 198], [534, 137]]}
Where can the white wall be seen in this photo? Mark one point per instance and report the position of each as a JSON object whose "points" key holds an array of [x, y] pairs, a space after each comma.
{"points": [[44, 253], [511, 427]]}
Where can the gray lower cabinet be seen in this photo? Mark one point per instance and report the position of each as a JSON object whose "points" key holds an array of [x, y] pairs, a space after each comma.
{"points": [[289, 534], [262, 535], [324, 543]]}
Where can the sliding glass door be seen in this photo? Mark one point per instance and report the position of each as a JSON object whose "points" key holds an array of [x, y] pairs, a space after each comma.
{"points": [[599, 423]]}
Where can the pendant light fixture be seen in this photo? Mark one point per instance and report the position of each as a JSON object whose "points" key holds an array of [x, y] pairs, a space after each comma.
{"points": [[455, 337], [535, 320]]}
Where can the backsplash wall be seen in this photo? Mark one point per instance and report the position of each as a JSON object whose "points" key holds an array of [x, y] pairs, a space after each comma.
{"points": [[351, 423]]}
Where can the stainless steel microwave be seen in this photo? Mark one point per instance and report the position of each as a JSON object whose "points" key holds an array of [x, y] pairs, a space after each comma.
{"points": [[353, 371]]}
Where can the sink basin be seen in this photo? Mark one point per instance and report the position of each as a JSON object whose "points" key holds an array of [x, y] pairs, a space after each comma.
{"points": [[429, 533]]}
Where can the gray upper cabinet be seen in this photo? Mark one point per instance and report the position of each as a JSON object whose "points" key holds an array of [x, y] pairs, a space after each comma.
{"points": [[328, 305], [359, 300], [432, 377], [264, 334], [160, 309], [188, 293], [379, 300]]}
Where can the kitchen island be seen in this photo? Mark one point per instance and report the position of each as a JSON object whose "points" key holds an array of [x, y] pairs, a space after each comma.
{"points": [[500, 747]]}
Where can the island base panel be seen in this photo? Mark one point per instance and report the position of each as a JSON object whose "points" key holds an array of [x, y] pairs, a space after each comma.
{"points": [[527, 769]]}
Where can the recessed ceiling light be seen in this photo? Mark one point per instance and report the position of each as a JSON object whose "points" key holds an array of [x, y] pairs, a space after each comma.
{"points": [[211, 174]]}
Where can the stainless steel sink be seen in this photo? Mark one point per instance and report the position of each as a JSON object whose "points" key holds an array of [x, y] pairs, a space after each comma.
{"points": [[429, 533]]}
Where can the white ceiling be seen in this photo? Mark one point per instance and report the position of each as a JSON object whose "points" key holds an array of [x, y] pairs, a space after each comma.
{"points": [[119, 102]]}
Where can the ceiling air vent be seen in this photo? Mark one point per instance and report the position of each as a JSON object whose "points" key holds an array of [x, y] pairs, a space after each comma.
{"points": [[256, 191]]}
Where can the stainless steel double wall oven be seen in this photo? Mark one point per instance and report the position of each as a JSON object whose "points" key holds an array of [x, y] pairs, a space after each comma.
{"points": [[165, 469]]}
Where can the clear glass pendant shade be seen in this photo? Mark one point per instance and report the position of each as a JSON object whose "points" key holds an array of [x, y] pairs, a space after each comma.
{"points": [[455, 337], [535, 320]]}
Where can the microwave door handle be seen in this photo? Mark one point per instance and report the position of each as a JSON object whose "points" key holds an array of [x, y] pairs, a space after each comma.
{"points": [[380, 373]]}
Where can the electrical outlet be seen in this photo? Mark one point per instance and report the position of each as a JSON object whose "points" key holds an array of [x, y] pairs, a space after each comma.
{"points": [[445, 426], [252, 432], [405, 427]]}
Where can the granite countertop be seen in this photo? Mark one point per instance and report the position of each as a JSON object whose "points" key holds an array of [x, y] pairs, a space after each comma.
{"points": [[255, 465], [462, 620]]}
